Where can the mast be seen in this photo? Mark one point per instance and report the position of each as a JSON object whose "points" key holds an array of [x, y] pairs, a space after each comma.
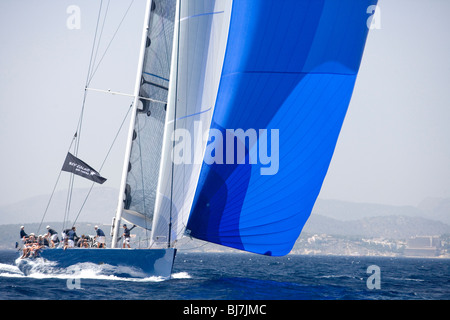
{"points": [[119, 210]]}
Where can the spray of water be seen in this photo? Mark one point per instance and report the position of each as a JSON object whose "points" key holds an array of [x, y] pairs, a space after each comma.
{"points": [[43, 269]]}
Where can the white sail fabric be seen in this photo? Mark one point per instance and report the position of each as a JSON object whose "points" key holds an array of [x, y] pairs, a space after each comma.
{"points": [[145, 158], [200, 40]]}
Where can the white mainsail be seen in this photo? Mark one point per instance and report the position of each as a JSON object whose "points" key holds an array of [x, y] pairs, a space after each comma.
{"points": [[139, 173]]}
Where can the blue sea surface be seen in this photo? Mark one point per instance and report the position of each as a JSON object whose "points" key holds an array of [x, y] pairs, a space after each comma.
{"points": [[232, 276]]}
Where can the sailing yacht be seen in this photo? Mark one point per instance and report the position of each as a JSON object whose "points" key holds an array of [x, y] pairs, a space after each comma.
{"points": [[237, 109]]}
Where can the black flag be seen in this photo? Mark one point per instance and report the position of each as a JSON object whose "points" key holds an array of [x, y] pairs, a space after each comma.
{"points": [[78, 167]]}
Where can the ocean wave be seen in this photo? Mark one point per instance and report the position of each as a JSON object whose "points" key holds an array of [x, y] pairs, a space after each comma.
{"points": [[8, 270], [44, 269]]}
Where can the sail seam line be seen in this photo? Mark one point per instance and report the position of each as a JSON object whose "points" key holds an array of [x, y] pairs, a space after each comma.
{"points": [[288, 73], [190, 115], [201, 15], [156, 76]]}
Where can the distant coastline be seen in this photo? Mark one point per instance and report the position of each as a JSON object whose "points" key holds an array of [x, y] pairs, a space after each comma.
{"points": [[307, 244], [334, 228]]}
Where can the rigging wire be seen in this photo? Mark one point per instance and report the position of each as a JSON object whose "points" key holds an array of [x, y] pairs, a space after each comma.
{"points": [[95, 41], [92, 69], [80, 121], [54, 189], [109, 44], [103, 163], [68, 200], [196, 247], [101, 33], [91, 72]]}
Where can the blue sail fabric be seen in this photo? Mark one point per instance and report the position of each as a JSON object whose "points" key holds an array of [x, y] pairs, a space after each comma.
{"points": [[290, 68]]}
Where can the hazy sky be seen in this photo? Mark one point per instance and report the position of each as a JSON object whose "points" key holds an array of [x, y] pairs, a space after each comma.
{"points": [[394, 147]]}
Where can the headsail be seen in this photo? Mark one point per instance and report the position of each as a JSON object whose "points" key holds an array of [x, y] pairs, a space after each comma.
{"points": [[290, 69], [199, 49]]}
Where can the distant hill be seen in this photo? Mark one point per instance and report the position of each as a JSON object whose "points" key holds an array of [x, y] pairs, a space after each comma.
{"points": [[436, 208], [431, 208], [390, 227], [431, 217], [100, 207]]}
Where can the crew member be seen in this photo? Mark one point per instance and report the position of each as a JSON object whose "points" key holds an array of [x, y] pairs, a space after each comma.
{"points": [[23, 234], [72, 236], [126, 235], [53, 236], [31, 247], [100, 237]]}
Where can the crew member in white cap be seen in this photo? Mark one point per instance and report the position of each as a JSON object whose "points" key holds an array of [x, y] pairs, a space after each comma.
{"points": [[100, 237], [23, 234], [53, 236]]}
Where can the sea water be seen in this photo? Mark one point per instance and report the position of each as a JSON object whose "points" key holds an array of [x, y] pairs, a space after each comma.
{"points": [[235, 276]]}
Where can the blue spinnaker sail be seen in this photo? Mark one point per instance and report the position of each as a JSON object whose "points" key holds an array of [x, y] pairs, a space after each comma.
{"points": [[290, 68]]}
